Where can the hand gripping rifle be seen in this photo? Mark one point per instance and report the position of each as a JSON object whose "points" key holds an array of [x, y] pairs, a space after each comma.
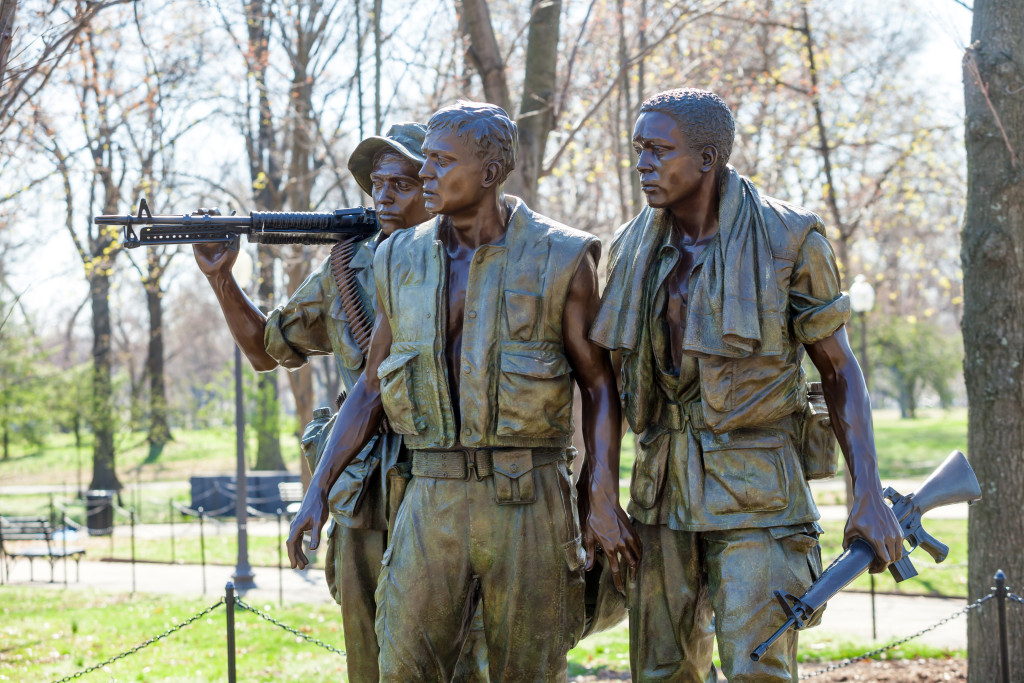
{"points": [[264, 227], [952, 482]]}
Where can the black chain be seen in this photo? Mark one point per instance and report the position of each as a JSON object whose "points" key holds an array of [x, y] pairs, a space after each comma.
{"points": [[149, 642], [897, 643], [291, 630]]}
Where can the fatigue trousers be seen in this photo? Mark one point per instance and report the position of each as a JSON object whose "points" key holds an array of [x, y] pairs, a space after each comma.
{"points": [[686, 578], [454, 549]]}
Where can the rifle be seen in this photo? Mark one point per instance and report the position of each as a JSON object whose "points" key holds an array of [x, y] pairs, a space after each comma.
{"points": [[263, 227], [952, 482]]}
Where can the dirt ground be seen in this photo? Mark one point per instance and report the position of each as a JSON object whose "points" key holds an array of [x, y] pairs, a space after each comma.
{"points": [[893, 671]]}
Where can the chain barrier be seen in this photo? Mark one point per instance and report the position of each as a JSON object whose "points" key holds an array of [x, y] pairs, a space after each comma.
{"points": [[173, 629], [249, 608], [896, 643]]}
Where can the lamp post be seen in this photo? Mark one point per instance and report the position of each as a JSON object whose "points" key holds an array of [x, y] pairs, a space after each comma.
{"points": [[243, 576]]}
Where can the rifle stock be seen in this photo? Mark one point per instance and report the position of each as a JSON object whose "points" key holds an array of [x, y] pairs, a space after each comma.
{"points": [[952, 482]]}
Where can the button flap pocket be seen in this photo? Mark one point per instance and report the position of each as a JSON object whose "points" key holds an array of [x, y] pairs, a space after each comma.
{"points": [[522, 310], [540, 363], [513, 476], [744, 472], [395, 361], [740, 439]]}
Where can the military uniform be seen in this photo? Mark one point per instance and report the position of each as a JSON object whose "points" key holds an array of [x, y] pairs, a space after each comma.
{"points": [[313, 322], [718, 494], [490, 513]]}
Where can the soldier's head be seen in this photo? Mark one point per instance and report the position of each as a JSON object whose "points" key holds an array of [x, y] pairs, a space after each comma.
{"points": [[681, 136], [470, 150], [387, 168]]}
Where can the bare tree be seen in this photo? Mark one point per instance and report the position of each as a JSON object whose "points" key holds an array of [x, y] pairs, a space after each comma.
{"points": [[993, 323]]}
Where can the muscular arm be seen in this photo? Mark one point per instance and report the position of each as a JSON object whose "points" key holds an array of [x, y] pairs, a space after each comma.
{"points": [[605, 522], [850, 410], [246, 322], [358, 421]]}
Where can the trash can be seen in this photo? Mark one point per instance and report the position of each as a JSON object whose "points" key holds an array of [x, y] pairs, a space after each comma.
{"points": [[99, 512]]}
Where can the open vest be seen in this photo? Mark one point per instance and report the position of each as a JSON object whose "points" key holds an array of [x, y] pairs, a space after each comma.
{"points": [[515, 387]]}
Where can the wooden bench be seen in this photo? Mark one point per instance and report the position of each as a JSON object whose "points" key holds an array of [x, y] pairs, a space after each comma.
{"points": [[291, 496], [19, 529]]}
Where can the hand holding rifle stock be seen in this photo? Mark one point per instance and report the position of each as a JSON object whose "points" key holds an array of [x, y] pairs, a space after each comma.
{"points": [[952, 482], [264, 227]]}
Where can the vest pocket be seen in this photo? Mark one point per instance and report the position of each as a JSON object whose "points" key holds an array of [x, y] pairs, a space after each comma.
{"points": [[649, 467], [522, 311], [744, 471], [398, 394], [534, 391]]}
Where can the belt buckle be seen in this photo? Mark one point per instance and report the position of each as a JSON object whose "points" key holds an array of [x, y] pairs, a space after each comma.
{"points": [[471, 463]]}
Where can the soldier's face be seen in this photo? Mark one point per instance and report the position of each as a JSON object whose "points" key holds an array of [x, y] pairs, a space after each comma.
{"points": [[397, 193], [670, 172], [453, 175]]}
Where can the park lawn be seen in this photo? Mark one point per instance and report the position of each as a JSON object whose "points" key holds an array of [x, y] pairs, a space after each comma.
{"points": [[50, 633], [221, 548]]}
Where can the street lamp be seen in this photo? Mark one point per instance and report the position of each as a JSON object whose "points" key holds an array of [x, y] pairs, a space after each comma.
{"points": [[862, 300], [243, 575]]}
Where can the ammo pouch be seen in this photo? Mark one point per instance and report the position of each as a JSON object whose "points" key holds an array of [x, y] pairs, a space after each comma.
{"points": [[513, 476], [818, 442], [397, 480], [314, 436]]}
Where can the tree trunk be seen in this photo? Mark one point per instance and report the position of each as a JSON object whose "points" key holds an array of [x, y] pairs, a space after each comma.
{"points": [[7, 10], [993, 324], [268, 409], [159, 429], [536, 114], [102, 414]]}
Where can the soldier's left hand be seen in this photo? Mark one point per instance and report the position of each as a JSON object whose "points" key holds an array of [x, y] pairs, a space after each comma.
{"points": [[873, 520], [607, 527]]}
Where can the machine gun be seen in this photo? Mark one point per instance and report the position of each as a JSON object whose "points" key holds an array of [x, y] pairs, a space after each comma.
{"points": [[264, 227], [952, 482]]}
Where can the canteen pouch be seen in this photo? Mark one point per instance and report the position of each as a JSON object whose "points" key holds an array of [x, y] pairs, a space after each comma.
{"points": [[397, 481], [513, 476], [314, 436], [818, 443]]}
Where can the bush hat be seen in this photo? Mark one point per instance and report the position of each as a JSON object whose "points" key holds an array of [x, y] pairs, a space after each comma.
{"points": [[404, 138]]}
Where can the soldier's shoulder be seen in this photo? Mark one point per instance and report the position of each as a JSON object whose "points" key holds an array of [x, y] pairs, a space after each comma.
{"points": [[556, 231], [788, 224]]}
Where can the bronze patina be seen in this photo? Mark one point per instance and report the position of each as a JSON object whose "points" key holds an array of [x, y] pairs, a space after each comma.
{"points": [[481, 327], [326, 316], [714, 294]]}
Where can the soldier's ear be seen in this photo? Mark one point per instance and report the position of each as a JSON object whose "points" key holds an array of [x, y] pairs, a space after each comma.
{"points": [[708, 158], [492, 173]]}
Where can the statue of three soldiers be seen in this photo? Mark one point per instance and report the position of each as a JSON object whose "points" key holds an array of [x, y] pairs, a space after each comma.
{"points": [[459, 538]]}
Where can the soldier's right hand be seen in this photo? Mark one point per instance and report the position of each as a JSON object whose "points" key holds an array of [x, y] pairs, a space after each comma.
{"points": [[214, 259], [312, 516]]}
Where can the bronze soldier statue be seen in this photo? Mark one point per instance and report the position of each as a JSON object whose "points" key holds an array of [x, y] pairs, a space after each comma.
{"points": [[714, 293], [481, 327], [332, 312]]}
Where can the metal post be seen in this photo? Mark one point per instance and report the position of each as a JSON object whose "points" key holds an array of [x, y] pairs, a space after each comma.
{"points": [[229, 601], [53, 513], [243, 575], [280, 561], [1004, 650], [874, 626], [202, 547], [64, 545], [131, 517], [170, 518]]}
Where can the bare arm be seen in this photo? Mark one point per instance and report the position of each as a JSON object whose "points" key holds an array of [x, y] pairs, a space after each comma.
{"points": [[358, 421], [850, 410], [246, 322], [605, 522]]}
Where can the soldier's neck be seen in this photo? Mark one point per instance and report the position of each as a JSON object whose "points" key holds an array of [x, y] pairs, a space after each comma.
{"points": [[695, 217], [485, 223]]}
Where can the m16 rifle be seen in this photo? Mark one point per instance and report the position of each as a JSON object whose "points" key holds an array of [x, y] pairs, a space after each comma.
{"points": [[263, 227], [952, 482]]}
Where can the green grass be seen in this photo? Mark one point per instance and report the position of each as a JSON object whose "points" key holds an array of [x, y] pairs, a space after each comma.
{"points": [[264, 551], [914, 447], [51, 633]]}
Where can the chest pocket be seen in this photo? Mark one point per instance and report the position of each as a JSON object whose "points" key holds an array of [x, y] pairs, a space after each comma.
{"points": [[534, 391], [744, 471], [398, 392]]}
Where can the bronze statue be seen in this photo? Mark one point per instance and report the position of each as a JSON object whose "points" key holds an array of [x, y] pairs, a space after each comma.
{"points": [[481, 327], [331, 313], [714, 293]]}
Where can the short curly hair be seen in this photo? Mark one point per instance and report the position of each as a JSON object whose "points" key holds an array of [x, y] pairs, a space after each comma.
{"points": [[486, 127], [703, 117]]}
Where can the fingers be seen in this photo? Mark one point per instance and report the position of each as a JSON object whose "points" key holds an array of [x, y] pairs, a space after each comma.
{"points": [[296, 557], [314, 538], [590, 545], [613, 567]]}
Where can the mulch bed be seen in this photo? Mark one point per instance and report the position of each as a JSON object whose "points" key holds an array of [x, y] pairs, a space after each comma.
{"points": [[889, 671]]}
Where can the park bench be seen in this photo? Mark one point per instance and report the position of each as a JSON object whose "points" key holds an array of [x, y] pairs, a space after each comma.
{"points": [[16, 530], [291, 496]]}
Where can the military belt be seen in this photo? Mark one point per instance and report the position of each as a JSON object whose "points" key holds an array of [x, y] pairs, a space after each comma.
{"points": [[677, 415], [458, 462]]}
